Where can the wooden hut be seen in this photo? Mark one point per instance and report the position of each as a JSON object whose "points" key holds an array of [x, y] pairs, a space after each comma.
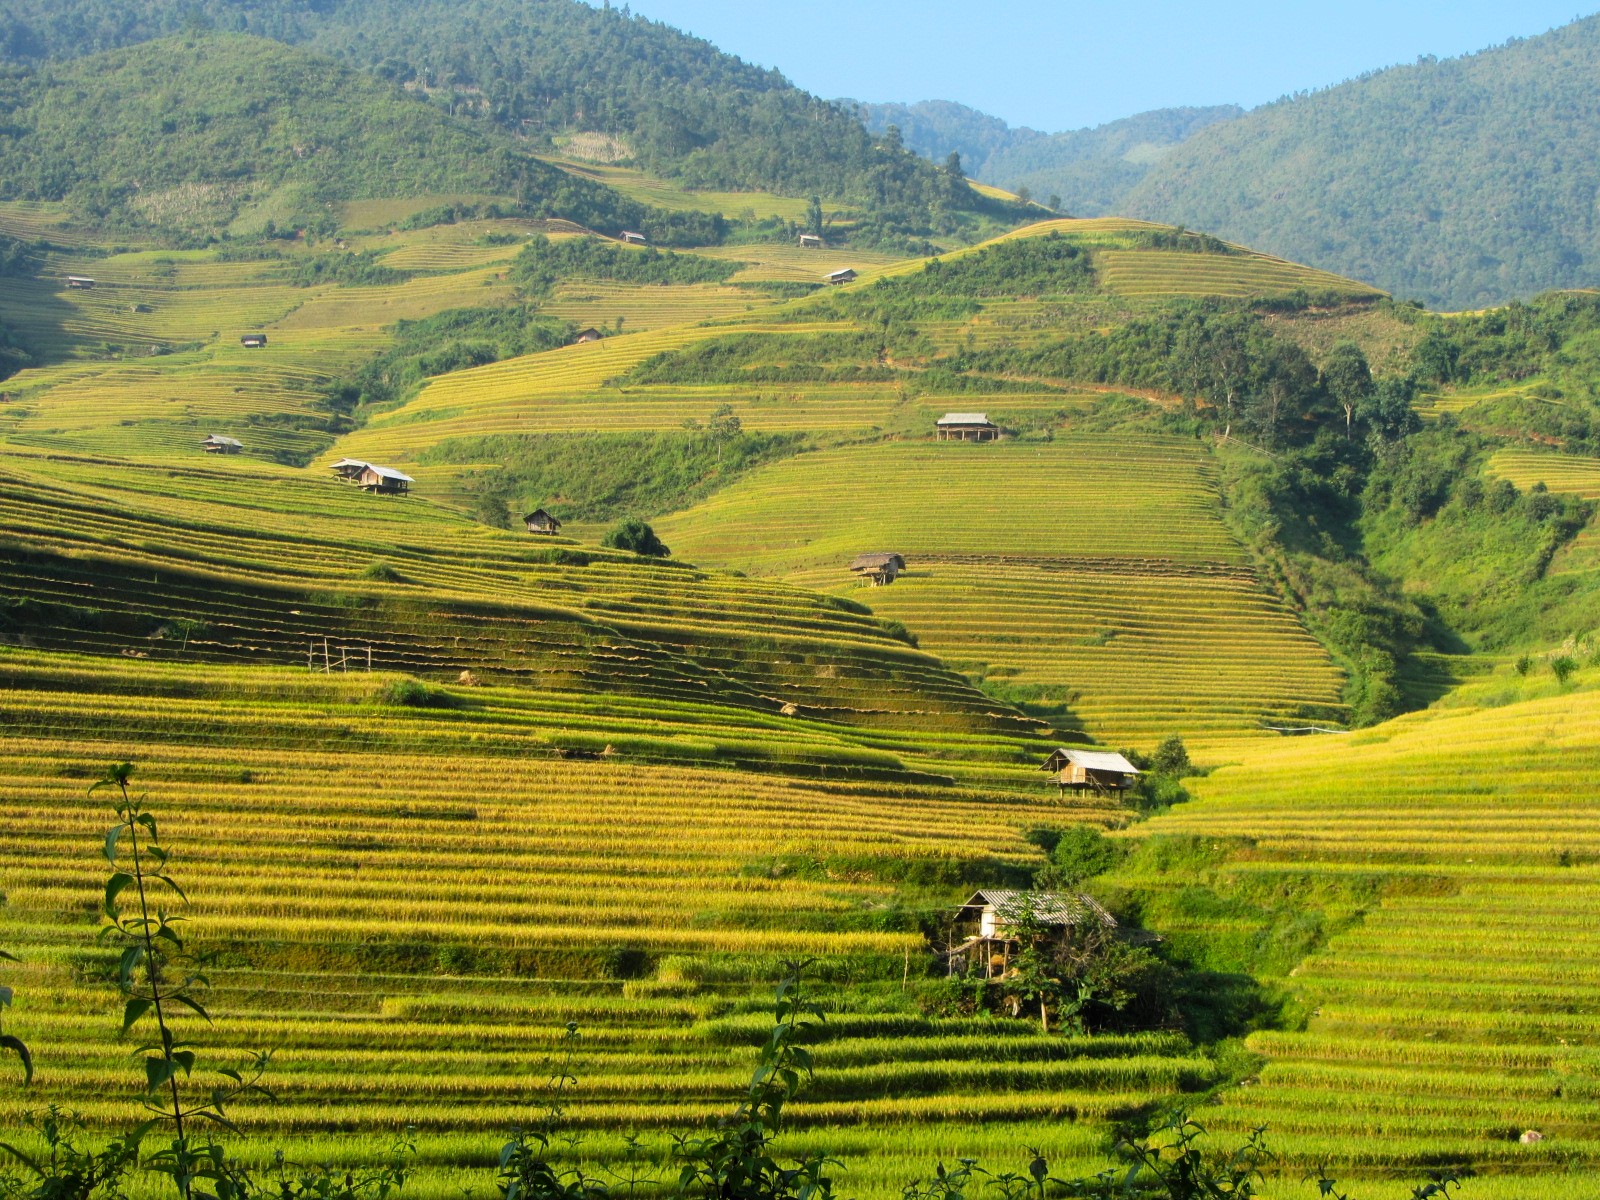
{"points": [[586, 336], [384, 481], [810, 241], [847, 275], [967, 427], [634, 239], [989, 933], [253, 341], [881, 569], [349, 469], [217, 444], [79, 282], [539, 521], [1091, 770]]}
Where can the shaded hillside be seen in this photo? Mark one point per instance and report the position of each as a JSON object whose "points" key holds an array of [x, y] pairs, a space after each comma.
{"points": [[1463, 182], [195, 132], [683, 108], [1087, 170]]}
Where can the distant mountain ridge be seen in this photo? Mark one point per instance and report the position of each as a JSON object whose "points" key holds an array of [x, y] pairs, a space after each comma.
{"points": [[1088, 169], [685, 109], [1462, 182]]}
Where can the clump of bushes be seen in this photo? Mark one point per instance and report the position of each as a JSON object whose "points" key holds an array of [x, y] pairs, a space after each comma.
{"points": [[634, 535]]}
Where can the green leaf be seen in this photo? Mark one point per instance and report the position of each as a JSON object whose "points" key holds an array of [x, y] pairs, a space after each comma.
{"points": [[185, 1059], [20, 1049], [21, 1157], [114, 888], [182, 895], [192, 1005], [135, 1008], [157, 1071], [9, 957], [131, 958], [112, 836]]}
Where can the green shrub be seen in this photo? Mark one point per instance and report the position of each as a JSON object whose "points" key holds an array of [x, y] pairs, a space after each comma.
{"points": [[633, 534], [413, 693]]}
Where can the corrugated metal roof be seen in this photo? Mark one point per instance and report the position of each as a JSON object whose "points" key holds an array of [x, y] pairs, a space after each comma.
{"points": [[216, 439], [867, 562], [348, 462], [1099, 760], [1052, 908], [964, 419], [389, 473]]}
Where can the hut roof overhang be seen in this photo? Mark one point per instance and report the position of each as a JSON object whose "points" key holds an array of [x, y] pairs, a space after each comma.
{"points": [[1090, 760], [1049, 908], [965, 419], [876, 562]]}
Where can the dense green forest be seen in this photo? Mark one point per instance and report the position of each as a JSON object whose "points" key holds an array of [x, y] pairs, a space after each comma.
{"points": [[1462, 182], [543, 263], [197, 132], [1083, 172], [542, 67]]}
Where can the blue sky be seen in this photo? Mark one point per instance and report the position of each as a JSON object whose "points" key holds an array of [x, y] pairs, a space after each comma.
{"points": [[1057, 65]]}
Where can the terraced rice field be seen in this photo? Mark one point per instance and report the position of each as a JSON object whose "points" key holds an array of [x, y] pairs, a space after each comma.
{"points": [[1091, 573], [1574, 474], [1465, 1008], [413, 931], [661, 193], [1161, 274], [602, 303]]}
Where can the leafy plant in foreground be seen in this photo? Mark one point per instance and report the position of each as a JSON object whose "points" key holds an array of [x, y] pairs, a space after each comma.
{"points": [[157, 976]]}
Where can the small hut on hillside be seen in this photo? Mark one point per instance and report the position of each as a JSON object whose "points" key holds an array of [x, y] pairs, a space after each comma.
{"points": [[539, 521], [349, 469], [847, 275], [1091, 770], [634, 239], [989, 926], [586, 336], [810, 241], [881, 569], [253, 341], [967, 427], [80, 283], [384, 481], [217, 444]]}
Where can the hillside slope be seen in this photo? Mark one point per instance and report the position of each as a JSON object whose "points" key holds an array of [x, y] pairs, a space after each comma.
{"points": [[197, 132], [681, 107], [1462, 182]]}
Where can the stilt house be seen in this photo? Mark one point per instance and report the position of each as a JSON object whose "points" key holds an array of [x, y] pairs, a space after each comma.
{"points": [[349, 469], [253, 341], [880, 569], [634, 239], [990, 926], [967, 427], [384, 481], [217, 444], [810, 241], [539, 521], [588, 335], [1091, 770], [79, 283], [847, 275]]}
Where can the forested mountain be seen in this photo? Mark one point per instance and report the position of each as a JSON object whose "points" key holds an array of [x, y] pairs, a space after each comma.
{"points": [[1088, 170], [683, 108], [191, 132], [1461, 182]]}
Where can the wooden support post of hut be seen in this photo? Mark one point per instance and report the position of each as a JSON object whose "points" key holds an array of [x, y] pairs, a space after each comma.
{"points": [[810, 241], [80, 283], [881, 569], [349, 469], [1091, 770], [253, 341], [217, 444], [634, 239], [847, 275], [541, 522], [967, 427], [384, 481], [989, 927]]}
